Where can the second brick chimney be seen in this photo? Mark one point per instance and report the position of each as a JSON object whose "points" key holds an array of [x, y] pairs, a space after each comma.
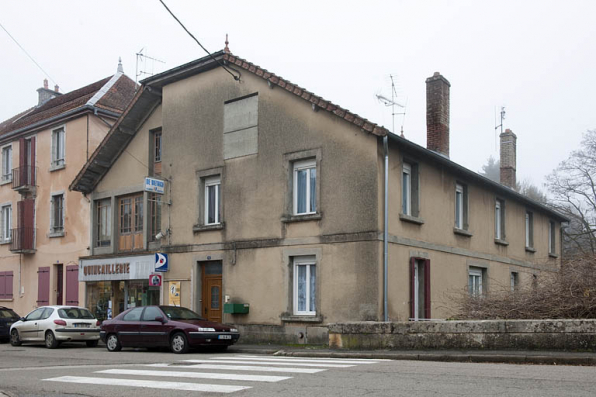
{"points": [[437, 114], [508, 158]]}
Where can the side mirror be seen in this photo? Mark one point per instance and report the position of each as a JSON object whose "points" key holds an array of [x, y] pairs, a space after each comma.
{"points": [[160, 319], [22, 319]]}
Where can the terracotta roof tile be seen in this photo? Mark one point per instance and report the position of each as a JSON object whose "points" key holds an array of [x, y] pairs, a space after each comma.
{"points": [[115, 100], [365, 124]]}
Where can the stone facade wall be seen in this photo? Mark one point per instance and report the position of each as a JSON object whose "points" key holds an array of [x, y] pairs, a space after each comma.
{"points": [[314, 334], [575, 335]]}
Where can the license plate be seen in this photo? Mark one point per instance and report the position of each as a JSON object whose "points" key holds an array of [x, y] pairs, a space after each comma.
{"points": [[81, 325], [224, 337]]}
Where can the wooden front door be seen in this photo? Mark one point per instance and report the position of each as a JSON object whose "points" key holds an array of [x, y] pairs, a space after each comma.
{"points": [[212, 291], [130, 223]]}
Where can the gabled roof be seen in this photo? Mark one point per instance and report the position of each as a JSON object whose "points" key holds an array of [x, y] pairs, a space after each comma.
{"points": [[109, 96], [149, 97]]}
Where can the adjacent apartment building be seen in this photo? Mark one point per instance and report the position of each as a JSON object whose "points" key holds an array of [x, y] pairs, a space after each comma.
{"points": [[273, 212], [44, 228]]}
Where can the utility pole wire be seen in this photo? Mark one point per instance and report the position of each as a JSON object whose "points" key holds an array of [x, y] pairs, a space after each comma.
{"points": [[25, 51], [237, 78]]}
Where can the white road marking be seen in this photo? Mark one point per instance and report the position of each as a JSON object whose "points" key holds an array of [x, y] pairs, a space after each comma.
{"points": [[226, 361], [354, 360], [245, 368], [195, 375], [150, 384], [298, 360]]}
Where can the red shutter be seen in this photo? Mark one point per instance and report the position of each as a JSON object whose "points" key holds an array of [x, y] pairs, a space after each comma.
{"points": [[43, 286], [72, 285], [22, 176], [3, 285], [427, 289], [8, 277], [412, 288], [32, 168]]}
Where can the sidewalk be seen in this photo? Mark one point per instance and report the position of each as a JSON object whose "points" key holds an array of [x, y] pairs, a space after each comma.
{"points": [[477, 356]]}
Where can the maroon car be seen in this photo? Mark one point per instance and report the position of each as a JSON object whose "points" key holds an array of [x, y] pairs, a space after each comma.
{"points": [[162, 326]]}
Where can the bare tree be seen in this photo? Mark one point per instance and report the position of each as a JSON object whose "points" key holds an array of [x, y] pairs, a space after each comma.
{"points": [[573, 193]]}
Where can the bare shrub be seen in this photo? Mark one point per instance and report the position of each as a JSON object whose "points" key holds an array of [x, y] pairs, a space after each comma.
{"points": [[569, 293]]}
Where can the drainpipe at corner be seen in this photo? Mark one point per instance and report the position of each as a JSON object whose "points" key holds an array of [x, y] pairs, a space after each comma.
{"points": [[386, 229]]}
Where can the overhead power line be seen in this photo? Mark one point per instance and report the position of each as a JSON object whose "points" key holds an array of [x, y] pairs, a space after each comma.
{"points": [[201, 45], [30, 57]]}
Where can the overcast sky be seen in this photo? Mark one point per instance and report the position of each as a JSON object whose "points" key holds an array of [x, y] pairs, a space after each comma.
{"points": [[536, 58]]}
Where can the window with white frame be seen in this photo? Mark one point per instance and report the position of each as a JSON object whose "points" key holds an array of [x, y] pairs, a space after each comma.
{"points": [[499, 219], [305, 187], [305, 282], [529, 229], [514, 281], [6, 164], [406, 186], [461, 206], [475, 281], [6, 223], [551, 237], [103, 223], [58, 147], [212, 200], [57, 213]]}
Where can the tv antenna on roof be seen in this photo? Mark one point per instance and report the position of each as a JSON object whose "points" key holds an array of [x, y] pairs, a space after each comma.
{"points": [[391, 102], [143, 60], [500, 125]]}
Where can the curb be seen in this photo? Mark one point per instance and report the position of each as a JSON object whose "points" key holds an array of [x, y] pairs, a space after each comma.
{"points": [[438, 357]]}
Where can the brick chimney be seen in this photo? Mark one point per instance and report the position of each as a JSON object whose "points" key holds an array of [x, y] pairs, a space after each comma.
{"points": [[508, 158], [45, 94], [437, 114]]}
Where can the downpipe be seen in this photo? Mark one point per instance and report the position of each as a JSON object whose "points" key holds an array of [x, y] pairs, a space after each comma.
{"points": [[385, 230]]}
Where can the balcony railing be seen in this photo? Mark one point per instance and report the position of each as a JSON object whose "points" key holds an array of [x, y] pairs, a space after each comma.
{"points": [[23, 240], [24, 177]]}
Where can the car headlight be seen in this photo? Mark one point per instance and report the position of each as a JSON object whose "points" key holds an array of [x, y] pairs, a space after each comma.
{"points": [[233, 330], [201, 329]]}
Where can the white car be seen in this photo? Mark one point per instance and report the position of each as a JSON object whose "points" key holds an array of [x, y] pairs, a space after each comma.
{"points": [[56, 324]]}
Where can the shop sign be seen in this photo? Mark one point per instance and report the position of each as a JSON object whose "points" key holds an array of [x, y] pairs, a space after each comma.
{"points": [[120, 268], [162, 262], [155, 280], [154, 185], [174, 293]]}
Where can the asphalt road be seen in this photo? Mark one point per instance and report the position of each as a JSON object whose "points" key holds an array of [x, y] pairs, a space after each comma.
{"points": [[75, 370]]}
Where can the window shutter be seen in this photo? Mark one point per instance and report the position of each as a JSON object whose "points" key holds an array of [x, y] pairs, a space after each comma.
{"points": [[22, 175], [43, 286], [427, 289], [412, 288], [32, 169], [8, 289], [54, 146], [3, 285], [72, 285]]}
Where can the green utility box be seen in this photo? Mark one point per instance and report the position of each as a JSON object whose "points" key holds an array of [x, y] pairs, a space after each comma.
{"points": [[236, 308]]}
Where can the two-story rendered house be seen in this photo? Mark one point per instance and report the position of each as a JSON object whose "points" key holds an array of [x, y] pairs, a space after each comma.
{"points": [[44, 227], [277, 198]]}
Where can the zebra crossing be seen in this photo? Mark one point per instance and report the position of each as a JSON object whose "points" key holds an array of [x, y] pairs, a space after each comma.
{"points": [[188, 375]]}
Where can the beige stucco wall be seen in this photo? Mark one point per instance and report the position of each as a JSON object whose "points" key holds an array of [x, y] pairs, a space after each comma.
{"points": [[51, 251]]}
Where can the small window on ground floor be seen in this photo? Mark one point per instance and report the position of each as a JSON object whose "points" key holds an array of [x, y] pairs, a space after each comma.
{"points": [[305, 276]]}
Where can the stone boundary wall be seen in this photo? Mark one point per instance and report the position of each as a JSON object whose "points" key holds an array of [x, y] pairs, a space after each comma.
{"points": [[572, 335], [299, 334]]}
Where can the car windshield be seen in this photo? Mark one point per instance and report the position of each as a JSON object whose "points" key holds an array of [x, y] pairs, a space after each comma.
{"points": [[6, 313], [75, 313], [180, 313]]}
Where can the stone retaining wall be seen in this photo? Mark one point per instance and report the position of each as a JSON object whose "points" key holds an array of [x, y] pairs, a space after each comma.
{"points": [[574, 335]]}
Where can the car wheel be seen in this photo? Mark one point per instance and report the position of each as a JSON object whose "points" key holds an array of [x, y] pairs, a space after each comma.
{"points": [[51, 342], [178, 343], [15, 340], [113, 343], [91, 343]]}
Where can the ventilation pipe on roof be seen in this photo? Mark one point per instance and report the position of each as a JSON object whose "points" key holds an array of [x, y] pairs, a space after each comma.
{"points": [[385, 229]]}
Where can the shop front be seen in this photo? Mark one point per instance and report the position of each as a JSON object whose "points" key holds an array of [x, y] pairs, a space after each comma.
{"points": [[113, 285]]}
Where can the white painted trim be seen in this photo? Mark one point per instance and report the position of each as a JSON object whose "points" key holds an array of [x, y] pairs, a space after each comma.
{"points": [[307, 261], [103, 90], [302, 165], [208, 182], [53, 152]]}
